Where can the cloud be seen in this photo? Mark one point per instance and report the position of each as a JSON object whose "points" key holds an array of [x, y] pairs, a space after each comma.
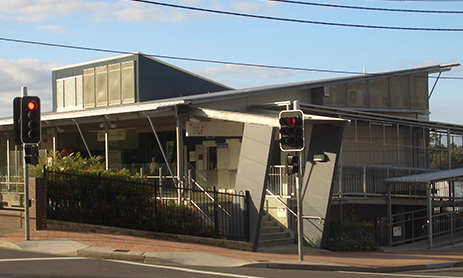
{"points": [[248, 7], [139, 12], [56, 29], [40, 10], [242, 76], [33, 73], [33, 11]]}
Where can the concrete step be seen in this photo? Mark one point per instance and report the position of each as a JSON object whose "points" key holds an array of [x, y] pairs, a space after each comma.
{"points": [[268, 223], [271, 229], [275, 242], [274, 236]]}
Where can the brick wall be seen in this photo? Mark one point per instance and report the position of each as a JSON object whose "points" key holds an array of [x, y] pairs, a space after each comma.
{"points": [[37, 210]]}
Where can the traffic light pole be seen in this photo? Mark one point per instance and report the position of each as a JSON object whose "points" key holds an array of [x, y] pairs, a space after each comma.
{"points": [[300, 234], [26, 195], [26, 183]]}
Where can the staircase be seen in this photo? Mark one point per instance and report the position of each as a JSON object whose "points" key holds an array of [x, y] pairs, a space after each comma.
{"points": [[273, 234]]}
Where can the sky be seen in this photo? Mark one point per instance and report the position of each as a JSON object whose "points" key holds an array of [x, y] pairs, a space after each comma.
{"points": [[161, 31]]}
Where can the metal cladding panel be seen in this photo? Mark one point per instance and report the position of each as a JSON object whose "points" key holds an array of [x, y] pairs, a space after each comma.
{"points": [[79, 90], [318, 178], [114, 84], [128, 81], [252, 171], [89, 87], [59, 93], [101, 81], [69, 92]]}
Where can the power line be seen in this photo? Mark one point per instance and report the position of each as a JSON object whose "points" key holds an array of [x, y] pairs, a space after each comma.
{"points": [[195, 59], [366, 8], [299, 20], [438, 1]]}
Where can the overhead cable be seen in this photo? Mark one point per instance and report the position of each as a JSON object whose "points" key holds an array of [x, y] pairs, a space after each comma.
{"points": [[300, 20], [366, 8], [193, 59]]}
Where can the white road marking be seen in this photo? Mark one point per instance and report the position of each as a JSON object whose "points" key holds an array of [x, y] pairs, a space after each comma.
{"points": [[187, 270], [396, 275], [41, 259]]}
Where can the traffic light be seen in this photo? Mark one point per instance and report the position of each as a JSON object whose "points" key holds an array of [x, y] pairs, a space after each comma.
{"points": [[31, 130], [31, 154], [292, 130], [292, 164]]}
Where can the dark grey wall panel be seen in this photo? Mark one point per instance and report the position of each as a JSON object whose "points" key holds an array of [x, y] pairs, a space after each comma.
{"points": [[252, 171], [318, 179]]}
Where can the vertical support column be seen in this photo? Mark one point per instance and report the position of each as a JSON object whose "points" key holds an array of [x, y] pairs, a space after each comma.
{"points": [[54, 141], [384, 143], [106, 146], [398, 145], [449, 149], [370, 137], [8, 174], [179, 135], [429, 207], [389, 214], [356, 141]]}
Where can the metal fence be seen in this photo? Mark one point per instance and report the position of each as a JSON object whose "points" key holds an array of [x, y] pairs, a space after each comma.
{"points": [[411, 226], [367, 180], [12, 192], [94, 199]]}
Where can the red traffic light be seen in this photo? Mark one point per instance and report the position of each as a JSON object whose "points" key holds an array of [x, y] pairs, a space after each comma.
{"points": [[32, 105]]}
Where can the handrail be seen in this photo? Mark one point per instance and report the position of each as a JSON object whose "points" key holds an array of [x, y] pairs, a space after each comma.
{"points": [[210, 197], [292, 212], [281, 202], [201, 211]]}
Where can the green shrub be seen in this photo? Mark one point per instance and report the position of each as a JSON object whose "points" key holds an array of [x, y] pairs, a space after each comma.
{"points": [[349, 236], [82, 191]]}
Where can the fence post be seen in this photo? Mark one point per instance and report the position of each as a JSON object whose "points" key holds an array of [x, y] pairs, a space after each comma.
{"points": [[216, 214], [189, 186], [155, 186], [246, 215]]}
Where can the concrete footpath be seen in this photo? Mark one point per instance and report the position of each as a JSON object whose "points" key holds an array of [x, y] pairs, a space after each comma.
{"points": [[133, 248]]}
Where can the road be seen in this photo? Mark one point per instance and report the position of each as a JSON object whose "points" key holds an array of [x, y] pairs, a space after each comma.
{"points": [[19, 264]]}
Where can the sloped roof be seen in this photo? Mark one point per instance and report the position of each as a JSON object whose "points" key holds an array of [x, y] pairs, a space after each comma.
{"points": [[428, 177]]}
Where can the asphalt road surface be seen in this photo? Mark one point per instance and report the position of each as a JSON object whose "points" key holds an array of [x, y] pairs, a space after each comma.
{"points": [[19, 264]]}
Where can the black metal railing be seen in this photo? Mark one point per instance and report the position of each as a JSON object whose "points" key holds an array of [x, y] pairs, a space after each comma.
{"points": [[95, 199]]}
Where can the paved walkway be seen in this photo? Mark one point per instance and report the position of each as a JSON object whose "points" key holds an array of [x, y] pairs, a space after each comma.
{"points": [[161, 251]]}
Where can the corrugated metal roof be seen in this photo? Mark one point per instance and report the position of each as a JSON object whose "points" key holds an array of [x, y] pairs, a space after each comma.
{"points": [[428, 177], [294, 86]]}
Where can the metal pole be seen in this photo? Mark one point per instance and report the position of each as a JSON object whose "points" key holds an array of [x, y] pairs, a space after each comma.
{"points": [[8, 173], [300, 235], [161, 148], [429, 206], [106, 145], [26, 182], [26, 195], [180, 162], [82, 136]]}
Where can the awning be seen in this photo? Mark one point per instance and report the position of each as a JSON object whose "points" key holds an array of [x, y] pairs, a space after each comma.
{"points": [[428, 177]]}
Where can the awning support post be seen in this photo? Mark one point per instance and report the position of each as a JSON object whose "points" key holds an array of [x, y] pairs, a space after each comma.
{"points": [[83, 138], [161, 148]]}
